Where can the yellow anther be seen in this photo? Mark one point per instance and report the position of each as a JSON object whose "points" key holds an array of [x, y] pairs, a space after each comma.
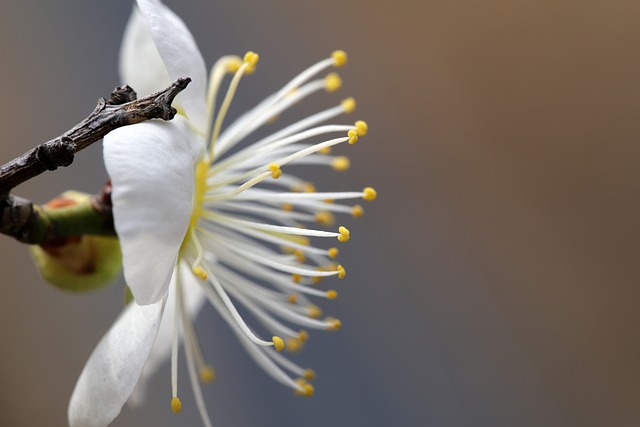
{"points": [[276, 172], [348, 105], [332, 252], [341, 163], [339, 58], [294, 345], [362, 127], [325, 150], [307, 389], [328, 200], [293, 299], [233, 65], [357, 211], [309, 374], [303, 335], [308, 187], [344, 234], [251, 58], [176, 405], [341, 272], [207, 374], [325, 218], [369, 194], [332, 82], [199, 271], [353, 136], [314, 311], [296, 278], [316, 279], [299, 255], [334, 324], [278, 343], [287, 207], [332, 294]]}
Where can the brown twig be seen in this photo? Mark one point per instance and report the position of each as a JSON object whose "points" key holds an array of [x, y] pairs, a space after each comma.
{"points": [[29, 223], [107, 116]]}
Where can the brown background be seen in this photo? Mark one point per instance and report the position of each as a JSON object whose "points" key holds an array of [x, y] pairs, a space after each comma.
{"points": [[495, 282]]}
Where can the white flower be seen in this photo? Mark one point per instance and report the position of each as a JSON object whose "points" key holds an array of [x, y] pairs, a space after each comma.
{"points": [[205, 214]]}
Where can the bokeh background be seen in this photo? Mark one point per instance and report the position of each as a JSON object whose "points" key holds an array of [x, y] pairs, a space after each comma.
{"points": [[494, 282]]}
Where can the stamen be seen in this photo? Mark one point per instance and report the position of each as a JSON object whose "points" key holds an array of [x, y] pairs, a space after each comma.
{"points": [[176, 405], [362, 127], [175, 402], [234, 312], [348, 105], [224, 65], [325, 218], [314, 311], [344, 234], [332, 252], [357, 211], [309, 374], [276, 172], [307, 389], [294, 345], [199, 272], [332, 294], [207, 374], [341, 163], [341, 272], [369, 194], [250, 60], [278, 343], [339, 58], [334, 324], [353, 136], [332, 82]]}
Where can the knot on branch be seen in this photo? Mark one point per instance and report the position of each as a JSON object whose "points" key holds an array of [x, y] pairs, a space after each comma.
{"points": [[122, 95], [16, 217], [158, 105], [56, 153]]}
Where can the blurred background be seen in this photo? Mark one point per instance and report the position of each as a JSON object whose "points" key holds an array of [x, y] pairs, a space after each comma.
{"points": [[493, 283]]}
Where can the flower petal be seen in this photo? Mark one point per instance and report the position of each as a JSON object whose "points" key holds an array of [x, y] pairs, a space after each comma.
{"points": [[114, 367], [151, 166], [161, 350], [181, 57], [140, 63]]}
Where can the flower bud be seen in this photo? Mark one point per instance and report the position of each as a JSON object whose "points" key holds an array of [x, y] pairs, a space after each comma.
{"points": [[78, 263]]}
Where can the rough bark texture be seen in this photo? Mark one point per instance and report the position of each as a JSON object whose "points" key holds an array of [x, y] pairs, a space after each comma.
{"points": [[120, 110], [29, 223]]}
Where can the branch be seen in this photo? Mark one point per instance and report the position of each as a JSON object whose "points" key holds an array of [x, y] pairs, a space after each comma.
{"points": [[30, 223], [69, 215], [120, 110]]}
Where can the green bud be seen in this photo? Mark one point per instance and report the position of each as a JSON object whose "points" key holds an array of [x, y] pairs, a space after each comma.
{"points": [[77, 263]]}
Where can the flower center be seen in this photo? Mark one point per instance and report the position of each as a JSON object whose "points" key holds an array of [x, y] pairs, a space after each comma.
{"points": [[199, 191]]}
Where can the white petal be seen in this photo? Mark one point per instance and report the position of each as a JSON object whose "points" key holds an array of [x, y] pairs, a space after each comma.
{"points": [[181, 57], [161, 350], [141, 66], [151, 166], [114, 367]]}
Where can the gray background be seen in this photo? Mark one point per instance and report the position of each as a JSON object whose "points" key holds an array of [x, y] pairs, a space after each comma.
{"points": [[494, 282]]}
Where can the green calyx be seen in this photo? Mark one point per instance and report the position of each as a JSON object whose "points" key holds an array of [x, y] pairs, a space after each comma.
{"points": [[77, 262]]}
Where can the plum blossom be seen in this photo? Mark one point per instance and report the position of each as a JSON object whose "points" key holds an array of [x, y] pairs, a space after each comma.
{"points": [[209, 213]]}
